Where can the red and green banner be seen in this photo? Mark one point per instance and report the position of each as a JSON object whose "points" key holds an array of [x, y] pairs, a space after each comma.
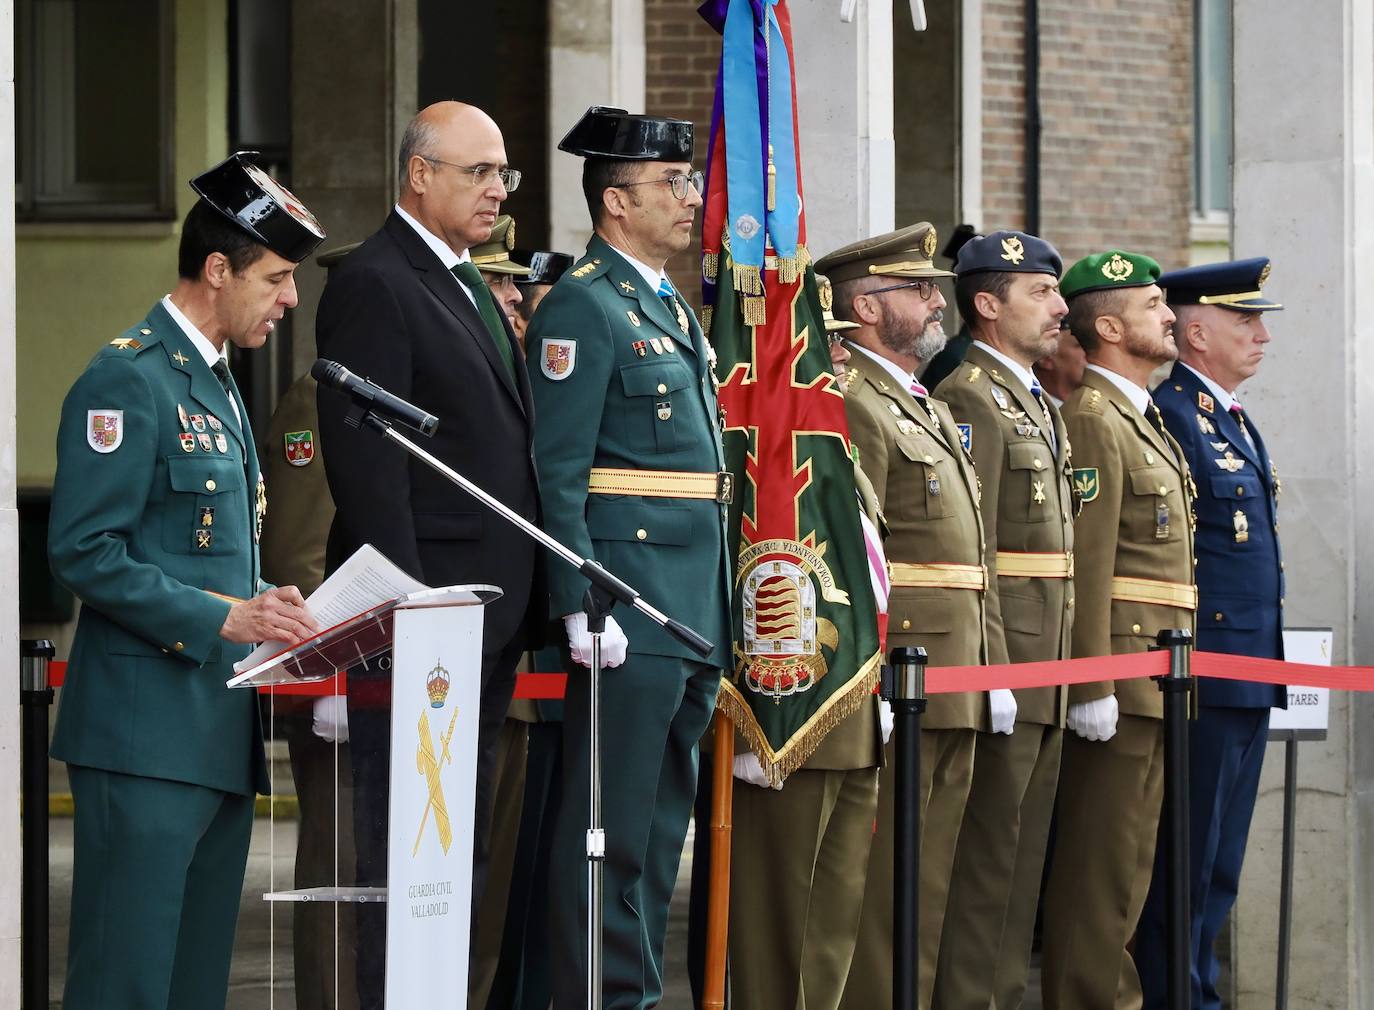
{"points": [[805, 620]]}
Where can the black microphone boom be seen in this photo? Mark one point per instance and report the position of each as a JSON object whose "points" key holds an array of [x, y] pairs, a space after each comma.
{"points": [[370, 396]]}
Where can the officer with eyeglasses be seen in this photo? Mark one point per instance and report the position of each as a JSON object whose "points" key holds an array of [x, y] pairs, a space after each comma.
{"points": [[628, 446], [409, 308]]}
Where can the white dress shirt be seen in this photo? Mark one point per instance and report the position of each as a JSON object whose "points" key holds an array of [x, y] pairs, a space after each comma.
{"points": [[201, 343]]}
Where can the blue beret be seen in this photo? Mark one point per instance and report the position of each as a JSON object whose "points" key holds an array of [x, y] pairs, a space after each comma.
{"points": [[1235, 285], [1008, 252]]}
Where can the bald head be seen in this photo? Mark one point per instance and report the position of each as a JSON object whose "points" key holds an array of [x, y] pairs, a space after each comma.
{"points": [[442, 149]]}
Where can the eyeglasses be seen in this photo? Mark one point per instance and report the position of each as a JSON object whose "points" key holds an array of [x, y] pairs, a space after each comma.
{"points": [[679, 183], [924, 288], [483, 175]]}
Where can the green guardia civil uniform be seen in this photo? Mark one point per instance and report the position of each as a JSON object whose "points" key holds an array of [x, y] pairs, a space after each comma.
{"points": [[1022, 453], [799, 861], [627, 446], [156, 509]]}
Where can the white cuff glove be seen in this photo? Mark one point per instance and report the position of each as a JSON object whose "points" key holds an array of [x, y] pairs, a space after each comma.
{"points": [[1094, 720], [1002, 708], [613, 641], [748, 769], [886, 720], [330, 721]]}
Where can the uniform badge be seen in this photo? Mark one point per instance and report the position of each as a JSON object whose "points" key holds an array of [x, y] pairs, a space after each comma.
{"points": [[259, 509], [966, 436], [627, 287], [1221, 446], [1012, 250], [204, 441], [999, 397], [906, 427], [180, 358], [657, 344], [851, 376], [1085, 484], [299, 447], [198, 422], [207, 516], [630, 315], [641, 347], [188, 441], [1229, 463], [932, 483], [558, 359], [204, 538], [1242, 525], [668, 347], [1162, 520], [896, 410], [1149, 456], [104, 429], [973, 375], [221, 443], [681, 317], [1205, 401], [1274, 476], [215, 423], [183, 418], [1205, 425], [665, 410], [1038, 492]]}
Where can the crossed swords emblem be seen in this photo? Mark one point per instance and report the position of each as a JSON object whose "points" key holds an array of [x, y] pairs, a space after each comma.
{"points": [[428, 765]]}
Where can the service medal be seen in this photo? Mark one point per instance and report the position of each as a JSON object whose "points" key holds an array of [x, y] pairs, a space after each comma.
{"points": [[221, 443], [215, 422], [188, 441], [183, 418], [204, 441], [198, 422]]}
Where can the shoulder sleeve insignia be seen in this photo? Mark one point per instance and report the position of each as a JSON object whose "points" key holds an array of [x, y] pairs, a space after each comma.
{"points": [[557, 358], [299, 447], [966, 436], [1085, 484], [104, 429]]}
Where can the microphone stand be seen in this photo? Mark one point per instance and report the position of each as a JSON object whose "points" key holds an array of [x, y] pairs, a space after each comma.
{"points": [[601, 596]]}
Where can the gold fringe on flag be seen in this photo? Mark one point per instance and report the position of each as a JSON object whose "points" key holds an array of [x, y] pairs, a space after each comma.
{"points": [[748, 280], [789, 269], [710, 265], [755, 313]]}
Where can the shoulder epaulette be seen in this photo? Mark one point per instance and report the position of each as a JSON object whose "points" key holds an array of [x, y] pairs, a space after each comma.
{"points": [[131, 341], [586, 270], [1092, 401]]}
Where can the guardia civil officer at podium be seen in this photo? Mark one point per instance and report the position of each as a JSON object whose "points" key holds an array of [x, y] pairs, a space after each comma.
{"points": [[628, 452], [156, 512]]}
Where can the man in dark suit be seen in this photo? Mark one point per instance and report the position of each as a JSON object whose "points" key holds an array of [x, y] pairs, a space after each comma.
{"points": [[1221, 338], [408, 308]]}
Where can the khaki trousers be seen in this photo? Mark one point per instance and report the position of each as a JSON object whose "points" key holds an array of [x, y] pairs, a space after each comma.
{"points": [[1109, 799], [946, 776]]}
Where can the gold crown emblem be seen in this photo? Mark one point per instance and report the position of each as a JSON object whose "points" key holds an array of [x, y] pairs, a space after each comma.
{"points": [[436, 685], [1013, 251], [929, 243], [1117, 268]]}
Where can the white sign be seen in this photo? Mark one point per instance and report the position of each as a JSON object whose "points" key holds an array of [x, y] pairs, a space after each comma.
{"points": [[436, 688], [1308, 707]]}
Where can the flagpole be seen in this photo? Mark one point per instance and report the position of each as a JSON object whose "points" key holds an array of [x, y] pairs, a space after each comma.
{"points": [[718, 890]]}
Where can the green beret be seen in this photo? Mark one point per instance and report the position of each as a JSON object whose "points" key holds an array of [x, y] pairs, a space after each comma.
{"points": [[1110, 269]]}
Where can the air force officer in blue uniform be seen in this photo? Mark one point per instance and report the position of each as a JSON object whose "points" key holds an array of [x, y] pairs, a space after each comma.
{"points": [[1221, 338]]}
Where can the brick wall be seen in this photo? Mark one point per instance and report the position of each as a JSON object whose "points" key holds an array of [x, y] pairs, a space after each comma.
{"points": [[1116, 103], [680, 78]]}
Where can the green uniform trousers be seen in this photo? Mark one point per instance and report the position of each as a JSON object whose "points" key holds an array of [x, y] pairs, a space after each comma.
{"points": [[946, 776], [509, 797], [990, 922], [1109, 799], [797, 868], [156, 884], [654, 710]]}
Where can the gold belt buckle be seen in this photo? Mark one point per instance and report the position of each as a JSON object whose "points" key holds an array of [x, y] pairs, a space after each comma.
{"points": [[725, 487]]}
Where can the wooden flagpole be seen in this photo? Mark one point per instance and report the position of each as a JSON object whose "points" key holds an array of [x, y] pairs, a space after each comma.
{"points": [[718, 891]]}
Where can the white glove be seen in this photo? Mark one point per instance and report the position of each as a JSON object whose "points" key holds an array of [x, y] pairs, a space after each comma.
{"points": [[886, 720], [1094, 720], [330, 721], [613, 641], [1002, 708], [749, 769]]}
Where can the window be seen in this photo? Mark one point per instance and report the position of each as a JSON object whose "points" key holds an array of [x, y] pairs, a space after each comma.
{"points": [[94, 95], [1212, 112]]}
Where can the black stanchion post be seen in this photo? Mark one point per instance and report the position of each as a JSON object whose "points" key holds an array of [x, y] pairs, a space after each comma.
{"points": [[1177, 688], [905, 689], [35, 696], [1290, 816]]}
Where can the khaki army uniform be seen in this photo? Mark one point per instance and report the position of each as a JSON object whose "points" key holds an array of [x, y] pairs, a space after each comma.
{"points": [[799, 862], [928, 492], [1028, 518], [1133, 578]]}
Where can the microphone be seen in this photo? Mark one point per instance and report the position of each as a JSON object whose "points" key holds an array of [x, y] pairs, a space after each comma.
{"points": [[370, 396]]}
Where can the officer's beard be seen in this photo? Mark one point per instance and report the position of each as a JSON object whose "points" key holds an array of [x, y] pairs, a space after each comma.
{"points": [[915, 337]]}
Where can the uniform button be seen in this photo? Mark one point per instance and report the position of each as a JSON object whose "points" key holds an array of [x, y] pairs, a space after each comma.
{"points": [[210, 485], [1240, 491], [1037, 463], [1280, 601], [1149, 457], [1135, 629], [1217, 616], [1276, 527], [906, 625], [1069, 605], [145, 331], [179, 646], [1281, 568], [930, 459], [662, 387], [1163, 489], [641, 533]]}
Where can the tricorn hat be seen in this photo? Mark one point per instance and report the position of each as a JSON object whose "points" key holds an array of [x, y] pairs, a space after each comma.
{"points": [[261, 206], [615, 133]]}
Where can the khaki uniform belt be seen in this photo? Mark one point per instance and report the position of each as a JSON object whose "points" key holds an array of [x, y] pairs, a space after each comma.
{"points": [[1169, 594], [717, 487], [1029, 565], [939, 576]]}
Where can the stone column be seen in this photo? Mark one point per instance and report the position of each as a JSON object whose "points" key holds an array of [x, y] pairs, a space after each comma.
{"points": [[10, 851], [353, 73], [844, 95], [596, 57], [1303, 195]]}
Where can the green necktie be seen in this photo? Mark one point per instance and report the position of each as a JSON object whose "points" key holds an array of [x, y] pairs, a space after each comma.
{"points": [[471, 279]]}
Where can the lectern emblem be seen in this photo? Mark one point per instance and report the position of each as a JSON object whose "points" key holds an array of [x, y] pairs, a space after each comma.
{"points": [[429, 765]]}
